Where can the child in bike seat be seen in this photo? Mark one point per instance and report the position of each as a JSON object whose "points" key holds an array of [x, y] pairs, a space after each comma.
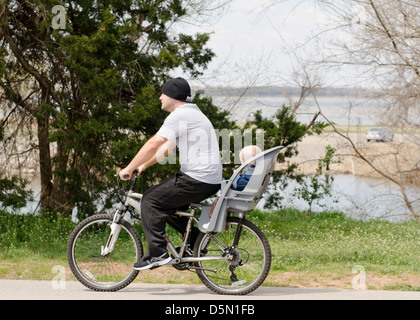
{"points": [[243, 177]]}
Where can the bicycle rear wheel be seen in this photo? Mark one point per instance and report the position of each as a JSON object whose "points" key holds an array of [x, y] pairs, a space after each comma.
{"points": [[113, 271], [244, 267]]}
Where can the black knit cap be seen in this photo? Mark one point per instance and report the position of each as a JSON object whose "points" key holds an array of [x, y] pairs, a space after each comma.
{"points": [[177, 89]]}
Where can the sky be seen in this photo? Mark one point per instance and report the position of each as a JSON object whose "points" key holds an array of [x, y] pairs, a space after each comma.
{"points": [[253, 41]]}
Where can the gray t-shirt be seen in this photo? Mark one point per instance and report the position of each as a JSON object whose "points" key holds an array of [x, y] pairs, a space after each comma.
{"points": [[197, 143]]}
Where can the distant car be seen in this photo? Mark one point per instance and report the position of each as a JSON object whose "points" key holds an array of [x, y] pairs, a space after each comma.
{"points": [[251, 117], [379, 134]]}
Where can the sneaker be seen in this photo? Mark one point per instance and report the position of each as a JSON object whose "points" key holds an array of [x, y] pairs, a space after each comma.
{"points": [[153, 262]]}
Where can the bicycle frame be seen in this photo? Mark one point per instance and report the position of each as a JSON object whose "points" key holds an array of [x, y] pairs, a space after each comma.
{"points": [[179, 256], [134, 200]]}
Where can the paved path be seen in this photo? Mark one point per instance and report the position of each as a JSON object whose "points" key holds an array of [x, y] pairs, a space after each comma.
{"points": [[48, 290]]}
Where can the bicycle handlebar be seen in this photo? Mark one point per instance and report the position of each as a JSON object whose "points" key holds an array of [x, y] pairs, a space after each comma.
{"points": [[133, 184], [135, 172]]}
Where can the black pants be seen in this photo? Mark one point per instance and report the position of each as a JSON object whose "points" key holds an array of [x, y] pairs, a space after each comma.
{"points": [[160, 203]]}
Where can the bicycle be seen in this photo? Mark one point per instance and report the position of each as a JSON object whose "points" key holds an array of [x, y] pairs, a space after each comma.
{"points": [[234, 260]]}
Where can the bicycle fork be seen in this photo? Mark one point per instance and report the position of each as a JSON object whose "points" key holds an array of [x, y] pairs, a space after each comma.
{"points": [[113, 237]]}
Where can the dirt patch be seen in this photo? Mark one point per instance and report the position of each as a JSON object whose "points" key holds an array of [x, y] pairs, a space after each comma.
{"points": [[371, 281]]}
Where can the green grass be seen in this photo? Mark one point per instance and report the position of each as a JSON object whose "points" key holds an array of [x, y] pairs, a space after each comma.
{"points": [[330, 241], [322, 244]]}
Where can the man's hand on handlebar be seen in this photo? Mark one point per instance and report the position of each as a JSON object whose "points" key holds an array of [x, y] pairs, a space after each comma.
{"points": [[126, 174]]}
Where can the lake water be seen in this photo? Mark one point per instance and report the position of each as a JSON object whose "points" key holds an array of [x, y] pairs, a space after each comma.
{"points": [[360, 198], [340, 110]]}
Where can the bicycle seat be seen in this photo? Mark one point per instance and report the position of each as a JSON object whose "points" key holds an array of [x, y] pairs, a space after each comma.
{"points": [[233, 201]]}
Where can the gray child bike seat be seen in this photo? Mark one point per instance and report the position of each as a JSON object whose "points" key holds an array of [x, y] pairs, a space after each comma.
{"points": [[233, 201]]}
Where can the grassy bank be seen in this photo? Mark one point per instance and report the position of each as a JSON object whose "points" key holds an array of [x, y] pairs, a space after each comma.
{"points": [[318, 251], [324, 250]]}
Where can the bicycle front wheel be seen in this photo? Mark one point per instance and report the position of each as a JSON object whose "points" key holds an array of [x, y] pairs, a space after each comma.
{"points": [[243, 268], [110, 272]]}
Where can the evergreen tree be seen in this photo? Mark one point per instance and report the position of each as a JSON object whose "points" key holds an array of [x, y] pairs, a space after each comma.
{"points": [[89, 75]]}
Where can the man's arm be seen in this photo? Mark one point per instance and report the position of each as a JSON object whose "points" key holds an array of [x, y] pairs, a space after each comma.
{"points": [[162, 153], [153, 151]]}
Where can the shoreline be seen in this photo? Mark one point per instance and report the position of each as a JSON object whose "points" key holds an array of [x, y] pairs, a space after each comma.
{"points": [[396, 159]]}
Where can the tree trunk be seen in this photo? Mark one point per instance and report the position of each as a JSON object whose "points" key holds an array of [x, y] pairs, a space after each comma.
{"points": [[61, 195], [45, 161]]}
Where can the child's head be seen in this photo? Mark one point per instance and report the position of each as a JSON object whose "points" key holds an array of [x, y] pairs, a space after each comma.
{"points": [[248, 152]]}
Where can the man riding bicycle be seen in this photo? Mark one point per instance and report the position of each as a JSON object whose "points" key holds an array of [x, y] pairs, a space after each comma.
{"points": [[201, 170]]}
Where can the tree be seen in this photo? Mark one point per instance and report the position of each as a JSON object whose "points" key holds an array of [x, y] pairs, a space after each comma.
{"points": [[314, 188], [284, 130], [381, 39], [383, 42], [13, 193], [89, 86], [378, 41]]}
